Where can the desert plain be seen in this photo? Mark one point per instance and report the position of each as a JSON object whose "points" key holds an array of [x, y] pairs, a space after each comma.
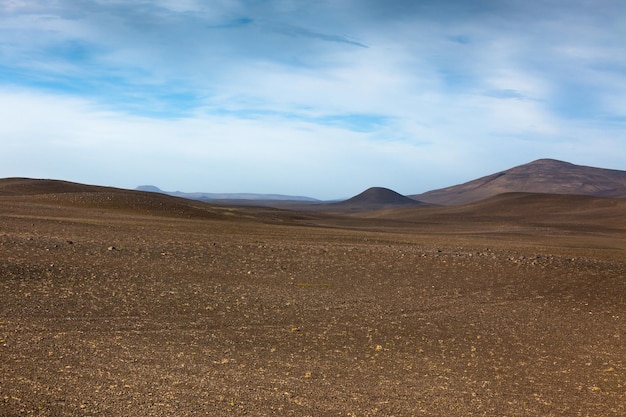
{"points": [[123, 303]]}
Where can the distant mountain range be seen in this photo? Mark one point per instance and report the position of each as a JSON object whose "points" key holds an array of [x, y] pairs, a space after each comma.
{"points": [[547, 176], [227, 196], [544, 176]]}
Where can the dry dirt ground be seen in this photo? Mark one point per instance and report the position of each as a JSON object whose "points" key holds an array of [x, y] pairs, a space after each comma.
{"points": [[150, 308]]}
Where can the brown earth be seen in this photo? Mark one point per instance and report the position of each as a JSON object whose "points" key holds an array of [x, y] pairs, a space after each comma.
{"points": [[123, 303]]}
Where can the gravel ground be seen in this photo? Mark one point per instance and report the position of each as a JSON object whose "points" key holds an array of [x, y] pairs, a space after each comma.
{"points": [[154, 311]]}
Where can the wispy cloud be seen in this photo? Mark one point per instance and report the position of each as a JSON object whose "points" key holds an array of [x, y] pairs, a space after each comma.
{"points": [[507, 93], [295, 31]]}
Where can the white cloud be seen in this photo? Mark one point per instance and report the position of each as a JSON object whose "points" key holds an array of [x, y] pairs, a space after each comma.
{"points": [[75, 140]]}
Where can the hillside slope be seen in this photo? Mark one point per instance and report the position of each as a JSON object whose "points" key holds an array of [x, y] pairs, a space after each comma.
{"points": [[542, 176]]}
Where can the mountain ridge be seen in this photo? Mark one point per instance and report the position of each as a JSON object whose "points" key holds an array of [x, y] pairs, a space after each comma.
{"points": [[547, 176], [226, 196]]}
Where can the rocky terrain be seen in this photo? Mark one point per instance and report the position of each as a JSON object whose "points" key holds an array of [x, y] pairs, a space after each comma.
{"points": [[125, 303]]}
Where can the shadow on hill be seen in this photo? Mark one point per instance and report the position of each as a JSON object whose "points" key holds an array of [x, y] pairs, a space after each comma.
{"points": [[570, 211]]}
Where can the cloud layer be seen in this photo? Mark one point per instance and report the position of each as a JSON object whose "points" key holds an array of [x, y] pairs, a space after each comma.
{"points": [[323, 98]]}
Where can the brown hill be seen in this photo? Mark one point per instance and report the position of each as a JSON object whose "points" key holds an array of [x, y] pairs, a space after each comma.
{"points": [[30, 186], [75, 199], [376, 198], [374, 208], [541, 176]]}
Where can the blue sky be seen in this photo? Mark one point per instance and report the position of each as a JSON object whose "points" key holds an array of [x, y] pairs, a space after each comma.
{"points": [[322, 98]]}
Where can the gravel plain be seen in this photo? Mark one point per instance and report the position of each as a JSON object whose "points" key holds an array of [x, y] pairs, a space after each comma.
{"points": [[120, 305]]}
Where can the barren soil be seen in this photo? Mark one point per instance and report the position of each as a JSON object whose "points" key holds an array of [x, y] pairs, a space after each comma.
{"points": [[116, 308]]}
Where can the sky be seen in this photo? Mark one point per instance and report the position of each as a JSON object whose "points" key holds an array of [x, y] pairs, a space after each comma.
{"points": [[312, 98]]}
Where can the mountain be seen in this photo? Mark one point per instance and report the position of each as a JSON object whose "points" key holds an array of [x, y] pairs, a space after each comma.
{"points": [[376, 198], [226, 196], [541, 176], [150, 188]]}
